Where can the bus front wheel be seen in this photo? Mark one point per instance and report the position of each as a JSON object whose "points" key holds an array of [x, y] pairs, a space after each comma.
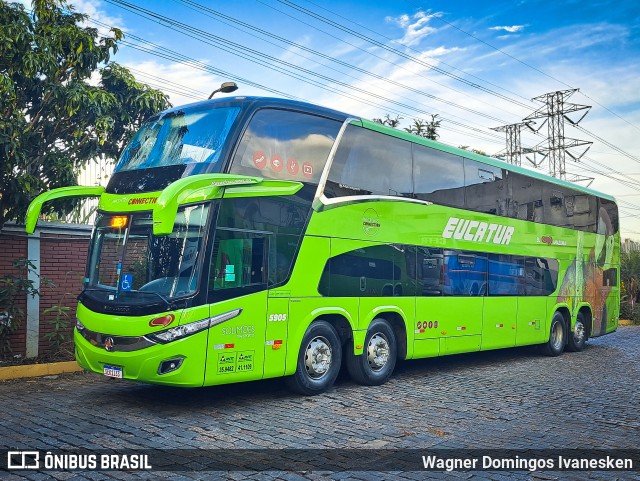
{"points": [[375, 365], [319, 360], [557, 336]]}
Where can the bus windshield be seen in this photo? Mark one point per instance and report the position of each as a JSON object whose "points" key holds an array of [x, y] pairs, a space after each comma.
{"points": [[128, 264], [190, 136]]}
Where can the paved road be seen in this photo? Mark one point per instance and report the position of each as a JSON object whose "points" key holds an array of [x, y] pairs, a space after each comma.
{"points": [[513, 399]]}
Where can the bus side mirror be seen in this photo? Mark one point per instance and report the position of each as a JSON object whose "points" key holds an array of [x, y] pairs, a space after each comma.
{"points": [[35, 207]]}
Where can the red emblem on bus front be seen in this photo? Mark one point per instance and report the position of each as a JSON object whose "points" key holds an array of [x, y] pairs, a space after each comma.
{"points": [[259, 159], [292, 166], [307, 170], [546, 239], [276, 163]]}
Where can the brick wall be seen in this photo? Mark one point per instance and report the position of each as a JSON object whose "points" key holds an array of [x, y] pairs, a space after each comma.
{"points": [[63, 260], [61, 252], [14, 246]]}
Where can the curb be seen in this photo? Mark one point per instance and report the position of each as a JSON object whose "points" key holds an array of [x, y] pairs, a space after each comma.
{"points": [[37, 370], [625, 322]]}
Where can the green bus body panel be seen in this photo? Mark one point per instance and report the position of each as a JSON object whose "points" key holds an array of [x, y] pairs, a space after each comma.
{"points": [[35, 207], [143, 364], [235, 350], [202, 187]]}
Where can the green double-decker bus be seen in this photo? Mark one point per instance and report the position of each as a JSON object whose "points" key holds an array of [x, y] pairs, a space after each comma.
{"points": [[250, 238]]}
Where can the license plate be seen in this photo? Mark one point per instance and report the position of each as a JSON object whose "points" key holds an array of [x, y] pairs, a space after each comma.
{"points": [[113, 371]]}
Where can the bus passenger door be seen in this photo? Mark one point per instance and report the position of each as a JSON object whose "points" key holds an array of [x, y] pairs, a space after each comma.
{"points": [[275, 345], [238, 288]]}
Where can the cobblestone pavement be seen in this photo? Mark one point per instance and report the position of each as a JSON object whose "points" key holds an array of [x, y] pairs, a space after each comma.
{"points": [[513, 399]]}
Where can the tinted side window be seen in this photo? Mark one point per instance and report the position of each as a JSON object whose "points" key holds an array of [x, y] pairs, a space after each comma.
{"points": [[430, 271], [238, 264], [485, 188], [438, 176], [541, 276], [608, 222], [381, 270], [370, 163], [280, 144], [506, 275], [284, 217], [556, 199], [526, 197], [465, 273], [582, 209]]}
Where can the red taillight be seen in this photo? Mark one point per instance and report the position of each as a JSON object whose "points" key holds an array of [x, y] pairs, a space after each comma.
{"points": [[162, 321]]}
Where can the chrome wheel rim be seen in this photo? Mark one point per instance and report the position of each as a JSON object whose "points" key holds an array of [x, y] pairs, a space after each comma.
{"points": [[579, 332], [556, 336], [378, 351], [317, 357]]}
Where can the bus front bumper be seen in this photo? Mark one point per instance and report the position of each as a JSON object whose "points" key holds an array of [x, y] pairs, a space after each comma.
{"points": [[178, 363]]}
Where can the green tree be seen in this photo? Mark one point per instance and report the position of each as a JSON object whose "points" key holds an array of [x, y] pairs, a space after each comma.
{"points": [[389, 121], [53, 119], [630, 278], [426, 128], [421, 127], [475, 151]]}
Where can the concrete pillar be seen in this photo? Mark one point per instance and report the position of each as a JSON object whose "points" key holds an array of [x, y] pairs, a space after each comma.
{"points": [[33, 303]]}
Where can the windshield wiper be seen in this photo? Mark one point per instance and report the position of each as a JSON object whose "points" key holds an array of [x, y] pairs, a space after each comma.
{"points": [[169, 304]]}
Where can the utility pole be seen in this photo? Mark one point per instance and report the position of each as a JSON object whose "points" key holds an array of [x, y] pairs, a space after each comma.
{"points": [[513, 152], [554, 112]]}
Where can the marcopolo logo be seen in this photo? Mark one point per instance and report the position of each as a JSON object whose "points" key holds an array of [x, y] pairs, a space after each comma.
{"points": [[476, 231], [370, 222]]}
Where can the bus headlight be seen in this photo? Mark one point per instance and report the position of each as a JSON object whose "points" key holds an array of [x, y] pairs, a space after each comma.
{"points": [[179, 332], [79, 325]]}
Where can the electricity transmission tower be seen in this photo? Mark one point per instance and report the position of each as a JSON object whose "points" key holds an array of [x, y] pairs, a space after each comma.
{"points": [[513, 152], [554, 112]]}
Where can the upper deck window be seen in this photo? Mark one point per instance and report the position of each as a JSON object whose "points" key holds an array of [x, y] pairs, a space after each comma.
{"points": [[192, 136], [285, 145], [370, 163]]}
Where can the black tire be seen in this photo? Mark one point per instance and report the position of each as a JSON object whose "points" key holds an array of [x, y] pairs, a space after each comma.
{"points": [[578, 336], [557, 336], [375, 365], [318, 361]]}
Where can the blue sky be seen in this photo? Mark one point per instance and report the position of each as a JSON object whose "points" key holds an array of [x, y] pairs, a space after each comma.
{"points": [[479, 65]]}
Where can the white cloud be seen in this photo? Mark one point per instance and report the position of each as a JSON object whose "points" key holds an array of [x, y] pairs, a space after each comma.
{"points": [[183, 84], [415, 27], [95, 10], [510, 29]]}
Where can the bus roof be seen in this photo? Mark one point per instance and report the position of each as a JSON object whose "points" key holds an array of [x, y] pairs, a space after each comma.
{"points": [[256, 103]]}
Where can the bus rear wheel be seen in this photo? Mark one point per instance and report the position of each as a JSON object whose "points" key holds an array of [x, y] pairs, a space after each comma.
{"points": [[319, 360], [578, 337], [375, 365], [557, 336]]}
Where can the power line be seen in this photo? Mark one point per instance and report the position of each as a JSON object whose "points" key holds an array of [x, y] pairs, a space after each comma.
{"points": [[532, 67], [414, 50], [383, 59], [278, 65], [398, 52], [230, 21]]}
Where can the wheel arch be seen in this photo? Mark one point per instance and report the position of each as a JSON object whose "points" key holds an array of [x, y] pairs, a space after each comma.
{"points": [[587, 312], [339, 318], [562, 309], [396, 318]]}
